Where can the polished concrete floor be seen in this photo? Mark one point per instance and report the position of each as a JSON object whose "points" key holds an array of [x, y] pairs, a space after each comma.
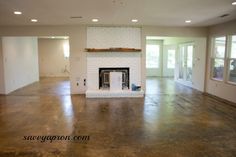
{"points": [[171, 121]]}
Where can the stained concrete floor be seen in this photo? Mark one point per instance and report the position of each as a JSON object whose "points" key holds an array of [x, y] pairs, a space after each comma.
{"points": [[171, 121]]}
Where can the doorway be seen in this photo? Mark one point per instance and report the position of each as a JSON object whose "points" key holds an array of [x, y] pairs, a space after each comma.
{"points": [[179, 58], [186, 62]]}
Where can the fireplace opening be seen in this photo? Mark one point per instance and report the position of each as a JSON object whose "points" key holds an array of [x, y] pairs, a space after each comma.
{"points": [[104, 77]]}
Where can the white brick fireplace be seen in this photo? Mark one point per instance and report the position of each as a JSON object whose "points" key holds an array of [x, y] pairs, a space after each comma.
{"points": [[110, 37]]}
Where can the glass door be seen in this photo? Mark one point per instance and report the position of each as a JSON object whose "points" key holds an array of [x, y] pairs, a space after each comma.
{"points": [[181, 62], [186, 62], [189, 60]]}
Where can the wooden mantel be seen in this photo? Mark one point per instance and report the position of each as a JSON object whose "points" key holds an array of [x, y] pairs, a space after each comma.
{"points": [[118, 49]]}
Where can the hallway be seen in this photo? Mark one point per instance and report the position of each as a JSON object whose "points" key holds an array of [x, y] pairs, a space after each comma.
{"points": [[171, 121]]}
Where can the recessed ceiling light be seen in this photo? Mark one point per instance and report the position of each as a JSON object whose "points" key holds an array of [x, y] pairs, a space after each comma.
{"points": [[34, 20], [95, 20], [188, 21], [134, 20], [234, 3], [17, 12]]}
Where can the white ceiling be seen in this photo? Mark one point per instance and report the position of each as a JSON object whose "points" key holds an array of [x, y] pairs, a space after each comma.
{"points": [[117, 12]]}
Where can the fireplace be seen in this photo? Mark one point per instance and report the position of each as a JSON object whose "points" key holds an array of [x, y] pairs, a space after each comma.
{"points": [[104, 77]]}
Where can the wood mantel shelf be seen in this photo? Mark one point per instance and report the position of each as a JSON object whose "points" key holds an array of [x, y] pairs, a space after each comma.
{"points": [[119, 49]]}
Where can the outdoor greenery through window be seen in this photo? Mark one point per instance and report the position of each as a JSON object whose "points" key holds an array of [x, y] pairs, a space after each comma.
{"points": [[152, 56], [218, 58]]}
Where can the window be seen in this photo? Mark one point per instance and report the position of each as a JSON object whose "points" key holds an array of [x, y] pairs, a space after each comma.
{"points": [[171, 59], [152, 56], [218, 58], [224, 58], [232, 60], [66, 50]]}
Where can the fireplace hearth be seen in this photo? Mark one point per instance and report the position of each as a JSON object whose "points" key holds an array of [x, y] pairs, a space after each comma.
{"points": [[104, 77]]}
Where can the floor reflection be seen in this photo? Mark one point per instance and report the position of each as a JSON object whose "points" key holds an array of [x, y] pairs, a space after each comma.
{"points": [[172, 120], [68, 110]]}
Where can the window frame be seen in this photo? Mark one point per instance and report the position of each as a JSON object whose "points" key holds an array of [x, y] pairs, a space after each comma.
{"points": [[173, 50], [158, 60], [213, 58], [229, 58]]}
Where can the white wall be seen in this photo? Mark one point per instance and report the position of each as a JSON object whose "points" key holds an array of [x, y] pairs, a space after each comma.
{"points": [[111, 59], [2, 86], [110, 37], [107, 37], [20, 62], [52, 62], [217, 88]]}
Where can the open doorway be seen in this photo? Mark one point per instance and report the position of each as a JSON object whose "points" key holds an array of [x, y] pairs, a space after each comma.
{"points": [[54, 63], [177, 59], [26, 59]]}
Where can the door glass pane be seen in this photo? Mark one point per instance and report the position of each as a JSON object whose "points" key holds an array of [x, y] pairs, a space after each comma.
{"points": [[232, 71], [189, 63], [218, 69], [152, 56], [171, 59], [182, 63], [233, 47], [219, 50]]}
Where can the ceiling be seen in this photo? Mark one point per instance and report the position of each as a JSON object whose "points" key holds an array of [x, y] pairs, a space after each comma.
{"points": [[117, 12]]}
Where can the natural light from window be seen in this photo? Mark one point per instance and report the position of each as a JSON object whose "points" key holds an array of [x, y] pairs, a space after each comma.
{"points": [[171, 59], [218, 58], [152, 56], [66, 50]]}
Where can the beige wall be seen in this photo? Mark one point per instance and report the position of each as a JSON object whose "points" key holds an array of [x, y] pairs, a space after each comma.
{"points": [[217, 88], [78, 37], [167, 32], [199, 59], [20, 62], [2, 87], [52, 62]]}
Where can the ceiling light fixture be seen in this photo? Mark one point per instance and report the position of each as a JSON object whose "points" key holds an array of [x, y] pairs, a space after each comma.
{"points": [[134, 20], [188, 21], [34, 20], [234, 3], [95, 20], [17, 12]]}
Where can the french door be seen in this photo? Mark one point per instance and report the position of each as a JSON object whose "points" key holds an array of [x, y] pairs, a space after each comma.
{"points": [[186, 62]]}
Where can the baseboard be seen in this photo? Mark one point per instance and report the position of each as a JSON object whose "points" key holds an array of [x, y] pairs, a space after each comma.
{"points": [[221, 99]]}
